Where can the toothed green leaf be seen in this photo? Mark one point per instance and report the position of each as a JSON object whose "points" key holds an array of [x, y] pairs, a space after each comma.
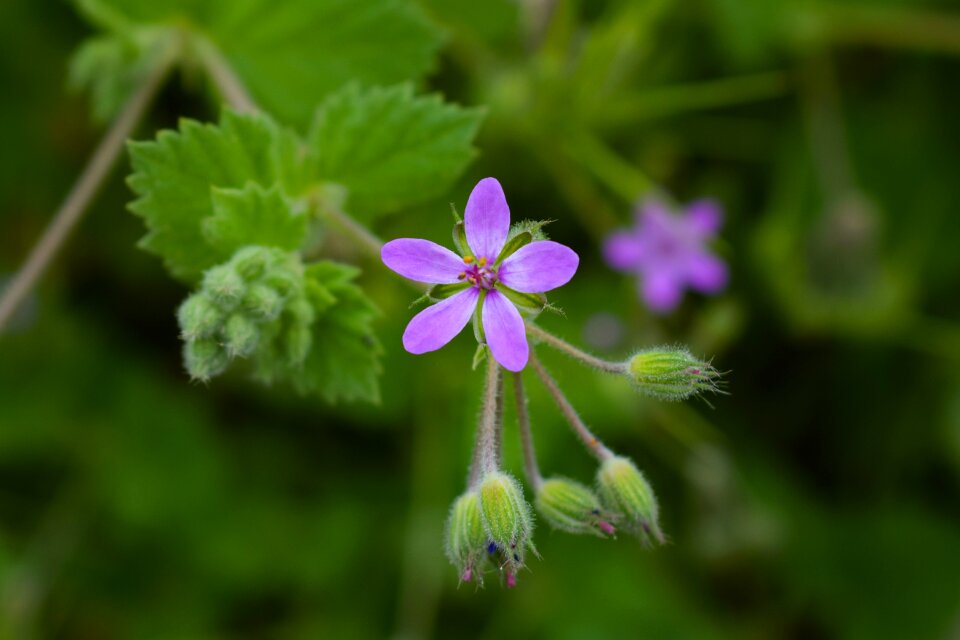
{"points": [[175, 175], [254, 215], [389, 148]]}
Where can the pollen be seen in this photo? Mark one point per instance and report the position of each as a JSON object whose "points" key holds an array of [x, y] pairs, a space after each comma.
{"points": [[482, 261], [468, 260]]}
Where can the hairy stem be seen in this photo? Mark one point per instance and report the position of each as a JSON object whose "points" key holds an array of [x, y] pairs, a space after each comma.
{"points": [[485, 454], [563, 346], [230, 87], [530, 467], [589, 440], [83, 191]]}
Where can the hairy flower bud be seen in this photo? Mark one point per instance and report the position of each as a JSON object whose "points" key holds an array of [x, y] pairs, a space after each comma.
{"points": [[205, 358], [242, 335], [250, 262], [466, 540], [224, 284], [626, 492], [199, 317], [263, 301], [569, 506], [506, 519], [299, 338], [671, 373]]}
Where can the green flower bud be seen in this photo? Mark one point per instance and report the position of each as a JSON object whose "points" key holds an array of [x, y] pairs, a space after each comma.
{"points": [[569, 506], [205, 358], [671, 373], [507, 519], [250, 262], [283, 282], [301, 311], [224, 284], [241, 334], [626, 492], [466, 540], [199, 317], [263, 301]]}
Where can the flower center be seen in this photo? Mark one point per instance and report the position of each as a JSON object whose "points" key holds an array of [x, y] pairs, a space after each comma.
{"points": [[479, 273]]}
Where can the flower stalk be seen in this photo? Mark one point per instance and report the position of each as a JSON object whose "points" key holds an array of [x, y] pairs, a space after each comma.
{"points": [[590, 441], [530, 467], [547, 338]]}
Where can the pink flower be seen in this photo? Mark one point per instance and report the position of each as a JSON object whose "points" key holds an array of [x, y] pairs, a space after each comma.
{"points": [[486, 276], [668, 252]]}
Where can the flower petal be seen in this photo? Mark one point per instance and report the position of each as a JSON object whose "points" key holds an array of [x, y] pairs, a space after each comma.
{"points": [[503, 328], [539, 266], [661, 289], [706, 272], [437, 325], [623, 250], [704, 217], [487, 219], [422, 260]]}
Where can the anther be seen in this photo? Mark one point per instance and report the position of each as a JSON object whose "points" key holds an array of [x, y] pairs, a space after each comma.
{"points": [[482, 261], [468, 259]]}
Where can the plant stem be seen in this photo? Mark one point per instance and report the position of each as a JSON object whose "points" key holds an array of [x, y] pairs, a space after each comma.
{"points": [[83, 190], [485, 455], [589, 440], [230, 87], [530, 467], [618, 368], [365, 238]]}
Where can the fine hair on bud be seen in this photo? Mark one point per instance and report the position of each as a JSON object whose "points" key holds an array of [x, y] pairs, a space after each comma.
{"points": [[263, 301], [241, 335], [507, 519], [671, 373], [625, 492], [569, 506], [224, 284], [465, 538], [205, 358], [199, 317]]}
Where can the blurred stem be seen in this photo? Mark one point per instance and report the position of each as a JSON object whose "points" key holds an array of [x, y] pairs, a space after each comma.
{"points": [[617, 368], [887, 26], [586, 436], [694, 96], [228, 84], [85, 188], [621, 177], [530, 467], [824, 120]]}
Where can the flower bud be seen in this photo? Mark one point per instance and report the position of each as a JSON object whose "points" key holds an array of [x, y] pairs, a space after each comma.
{"points": [[199, 317], [242, 335], [263, 301], [466, 541], [224, 284], [205, 358], [671, 373], [250, 262], [572, 507], [626, 492], [506, 519]]}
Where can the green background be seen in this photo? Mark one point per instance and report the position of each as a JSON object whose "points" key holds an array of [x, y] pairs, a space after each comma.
{"points": [[819, 499]]}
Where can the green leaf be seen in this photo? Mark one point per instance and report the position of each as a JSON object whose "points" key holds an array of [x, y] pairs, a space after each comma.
{"points": [[173, 177], [345, 360], [290, 55], [389, 148], [254, 215]]}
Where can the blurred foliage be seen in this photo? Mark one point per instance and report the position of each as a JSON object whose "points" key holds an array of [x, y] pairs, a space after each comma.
{"points": [[820, 499]]}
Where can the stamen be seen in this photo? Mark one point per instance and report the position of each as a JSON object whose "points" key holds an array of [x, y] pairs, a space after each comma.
{"points": [[468, 259], [482, 261], [463, 274]]}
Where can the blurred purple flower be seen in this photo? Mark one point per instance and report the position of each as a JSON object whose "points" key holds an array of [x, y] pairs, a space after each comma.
{"points": [[484, 274], [668, 252]]}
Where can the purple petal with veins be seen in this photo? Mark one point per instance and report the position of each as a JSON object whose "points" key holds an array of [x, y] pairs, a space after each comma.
{"points": [[487, 219], [435, 326], [539, 266], [422, 260], [504, 331]]}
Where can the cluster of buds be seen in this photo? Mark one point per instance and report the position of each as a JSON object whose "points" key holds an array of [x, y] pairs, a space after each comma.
{"points": [[256, 302], [490, 525]]}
